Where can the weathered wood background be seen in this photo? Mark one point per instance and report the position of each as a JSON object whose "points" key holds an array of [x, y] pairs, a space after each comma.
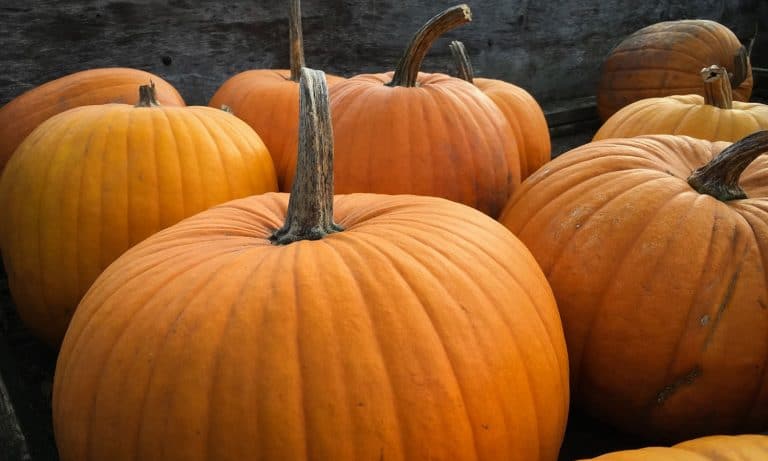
{"points": [[551, 48]]}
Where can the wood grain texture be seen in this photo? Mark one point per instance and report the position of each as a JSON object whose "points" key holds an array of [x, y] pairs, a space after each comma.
{"points": [[552, 49]]}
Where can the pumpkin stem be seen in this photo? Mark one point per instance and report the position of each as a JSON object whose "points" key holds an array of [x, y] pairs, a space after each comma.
{"points": [[310, 206], [407, 70], [740, 67], [720, 177], [461, 59], [717, 87], [296, 38], [147, 96]]}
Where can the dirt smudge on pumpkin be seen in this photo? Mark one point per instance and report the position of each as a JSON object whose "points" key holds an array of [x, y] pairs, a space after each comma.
{"points": [[686, 380]]}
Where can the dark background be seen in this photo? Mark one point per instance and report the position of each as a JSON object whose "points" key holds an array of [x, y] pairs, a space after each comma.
{"points": [[551, 48]]}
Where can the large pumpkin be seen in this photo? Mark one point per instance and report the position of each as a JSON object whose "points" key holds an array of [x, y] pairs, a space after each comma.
{"points": [[521, 110], [360, 327], [267, 99], [91, 182], [661, 284], [714, 116], [428, 134], [95, 86], [747, 447], [664, 59]]}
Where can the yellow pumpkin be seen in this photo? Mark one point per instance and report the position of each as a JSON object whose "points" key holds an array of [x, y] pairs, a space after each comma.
{"points": [[91, 182]]}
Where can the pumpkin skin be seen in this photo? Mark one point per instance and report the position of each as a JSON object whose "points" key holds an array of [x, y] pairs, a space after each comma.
{"points": [[268, 101], [522, 111], [664, 59], [442, 138], [526, 118], [424, 330], [91, 182], [89, 87], [714, 117], [747, 447], [661, 289]]}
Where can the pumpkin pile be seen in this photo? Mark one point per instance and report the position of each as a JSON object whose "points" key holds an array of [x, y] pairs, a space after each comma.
{"points": [[390, 265]]}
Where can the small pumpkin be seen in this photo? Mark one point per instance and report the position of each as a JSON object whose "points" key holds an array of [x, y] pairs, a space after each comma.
{"points": [[407, 132], [91, 182], [663, 59], [659, 275], [746, 447], [521, 110], [267, 99], [94, 86], [714, 116], [353, 327]]}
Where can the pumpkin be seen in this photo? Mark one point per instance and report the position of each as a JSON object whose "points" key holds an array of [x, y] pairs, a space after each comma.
{"points": [[663, 59], [521, 110], [91, 182], [659, 275], [746, 447], [406, 132], [267, 99], [94, 86], [353, 327], [714, 116]]}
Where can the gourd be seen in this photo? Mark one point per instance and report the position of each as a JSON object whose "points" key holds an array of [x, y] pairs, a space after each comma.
{"points": [[714, 116], [89, 183], [352, 327], [747, 447], [93, 86], [659, 275], [521, 110], [663, 59], [267, 99], [407, 132]]}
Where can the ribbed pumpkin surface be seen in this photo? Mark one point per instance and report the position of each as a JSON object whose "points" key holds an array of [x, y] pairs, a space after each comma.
{"points": [[664, 59], [94, 86], [443, 138], [268, 100], [526, 118], [424, 330], [713, 448], [662, 290], [93, 181]]}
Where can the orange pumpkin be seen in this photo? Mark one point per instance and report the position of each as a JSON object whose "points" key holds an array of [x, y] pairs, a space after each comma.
{"points": [[663, 59], [91, 182], [350, 328], [521, 110], [267, 99], [659, 278], [714, 116], [95, 86], [427, 134], [747, 447]]}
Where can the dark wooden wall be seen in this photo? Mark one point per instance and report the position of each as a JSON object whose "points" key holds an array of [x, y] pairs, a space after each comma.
{"points": [[551, 48]]}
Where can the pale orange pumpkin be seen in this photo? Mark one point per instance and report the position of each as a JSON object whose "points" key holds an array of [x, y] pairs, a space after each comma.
{"points": [[521, 110], [93, 86], [267, 99], [359, 327], [714, 116], [659, 275], [91, 182], [747, 447]]}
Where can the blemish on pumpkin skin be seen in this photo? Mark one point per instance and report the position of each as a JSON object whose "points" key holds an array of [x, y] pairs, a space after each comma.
{"points": [[721, 308], [685, 380]]}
